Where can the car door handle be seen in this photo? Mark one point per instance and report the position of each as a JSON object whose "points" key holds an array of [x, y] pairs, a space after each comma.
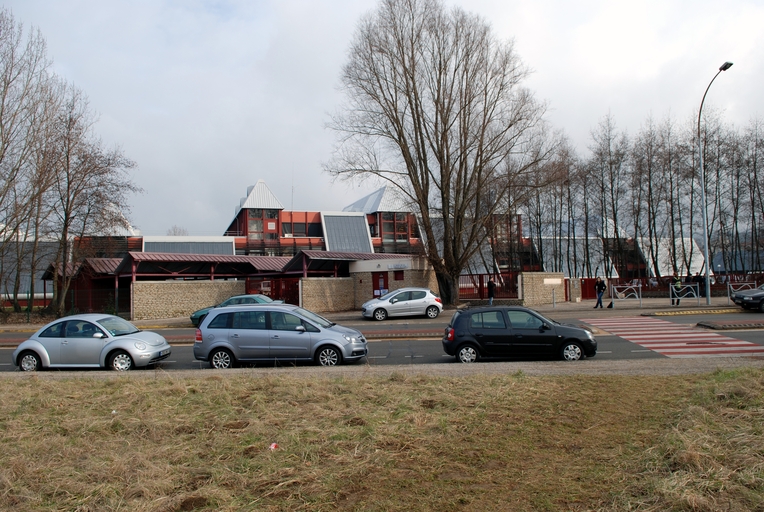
{"points": [[275, 336], [235, 336]]}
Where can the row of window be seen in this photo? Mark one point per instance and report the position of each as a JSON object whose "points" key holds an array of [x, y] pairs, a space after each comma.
{"points": [[260, 320], [392, 227]]}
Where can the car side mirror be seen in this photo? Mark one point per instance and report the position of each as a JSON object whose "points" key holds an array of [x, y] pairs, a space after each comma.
{"points": [[99, 335], [393, 301], [300, 328], [546, 327]]}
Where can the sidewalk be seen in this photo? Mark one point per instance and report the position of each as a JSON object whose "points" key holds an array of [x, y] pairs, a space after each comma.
{"points": [[560, 311]]}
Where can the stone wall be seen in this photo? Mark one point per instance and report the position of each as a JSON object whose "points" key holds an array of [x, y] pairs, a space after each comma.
{"points": [[537, 288], [364, 289], [327, 294], [172, 299]]}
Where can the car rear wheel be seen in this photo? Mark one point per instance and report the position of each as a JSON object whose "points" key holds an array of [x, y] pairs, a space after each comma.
{"points": [[328, 356], [221, 359], [468, 354], [29, 362], [572, 351], [120, 361], [432, 312], [380, 314]]}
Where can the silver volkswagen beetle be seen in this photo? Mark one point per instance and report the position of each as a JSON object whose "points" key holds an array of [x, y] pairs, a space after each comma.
{"points": [[92, 340]]}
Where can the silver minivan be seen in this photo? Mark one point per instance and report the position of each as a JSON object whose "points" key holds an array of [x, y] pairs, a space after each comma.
{"points": [[280, 332]]}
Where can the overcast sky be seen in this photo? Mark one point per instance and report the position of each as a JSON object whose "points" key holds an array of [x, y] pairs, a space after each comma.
{"points": [[210, 96]]}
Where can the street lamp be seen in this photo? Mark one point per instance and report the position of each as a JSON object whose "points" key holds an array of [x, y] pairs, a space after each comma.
{"points": [[724, 67]]}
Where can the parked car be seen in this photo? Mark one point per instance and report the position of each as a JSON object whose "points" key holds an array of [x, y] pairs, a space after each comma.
{"points": [[92, 340], [507, 331], [750, 299], [403, 302], [281, 332], [255, 298]]}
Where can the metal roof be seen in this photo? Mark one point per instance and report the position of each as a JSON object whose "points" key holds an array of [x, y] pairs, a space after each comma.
{"points": [[257, 263], [316, 260], [260, 196], [385, 199]]}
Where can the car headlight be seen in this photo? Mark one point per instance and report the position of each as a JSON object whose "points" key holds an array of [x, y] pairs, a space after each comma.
{"points": [[140, 345], [351, 339], [747, 298]]}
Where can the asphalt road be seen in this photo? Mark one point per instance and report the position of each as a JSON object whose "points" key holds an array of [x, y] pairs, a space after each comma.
{"points": [[411, 342]]}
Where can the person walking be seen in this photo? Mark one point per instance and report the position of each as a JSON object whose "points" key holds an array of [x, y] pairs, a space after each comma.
{"points": [[491, 291], [600, 288], [676, 282]]}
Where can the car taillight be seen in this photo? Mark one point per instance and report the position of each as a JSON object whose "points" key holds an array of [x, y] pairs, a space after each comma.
{"points": [[198, 338], [437, 299], [450, 334]]}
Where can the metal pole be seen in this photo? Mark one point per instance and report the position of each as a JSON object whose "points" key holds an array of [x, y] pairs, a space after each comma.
{"points": [[724, 67]]}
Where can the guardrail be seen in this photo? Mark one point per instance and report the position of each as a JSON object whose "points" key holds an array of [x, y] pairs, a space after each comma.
{"points": [[625, 292], [736, 287], [685, 291]]}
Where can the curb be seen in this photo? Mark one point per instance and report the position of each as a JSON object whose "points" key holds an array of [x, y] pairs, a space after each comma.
{"points": [[730, 327], [717, 311]]}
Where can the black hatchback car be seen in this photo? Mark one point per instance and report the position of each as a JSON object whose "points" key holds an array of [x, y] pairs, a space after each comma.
{"points": [[509, 331]]}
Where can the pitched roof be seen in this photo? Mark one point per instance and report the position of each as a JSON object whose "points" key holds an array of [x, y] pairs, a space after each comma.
{"points": [[260, 196], [385, 199]]}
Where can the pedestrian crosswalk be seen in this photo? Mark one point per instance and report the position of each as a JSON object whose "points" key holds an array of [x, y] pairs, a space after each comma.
{"points": [[675, 340]]}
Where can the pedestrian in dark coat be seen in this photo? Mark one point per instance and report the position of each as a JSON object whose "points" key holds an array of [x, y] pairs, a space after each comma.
{"points": [[491, 291], [599, 288]]}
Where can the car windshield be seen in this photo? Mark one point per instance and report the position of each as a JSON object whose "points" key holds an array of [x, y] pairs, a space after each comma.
{"points": [[117, 326], [323, 322], [263, 299]]}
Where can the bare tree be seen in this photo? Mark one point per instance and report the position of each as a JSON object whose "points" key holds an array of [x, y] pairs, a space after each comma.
{"points": [[177, 231], [435, 107], [90, 189]]}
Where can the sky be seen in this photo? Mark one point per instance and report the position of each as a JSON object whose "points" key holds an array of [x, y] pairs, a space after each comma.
{"points": [[210, 96]]}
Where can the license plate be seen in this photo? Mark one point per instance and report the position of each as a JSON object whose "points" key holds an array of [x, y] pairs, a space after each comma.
{"points": [[164, 352]]}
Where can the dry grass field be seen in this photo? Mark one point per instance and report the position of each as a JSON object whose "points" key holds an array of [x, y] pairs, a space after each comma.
{"points": [[508, 442]]}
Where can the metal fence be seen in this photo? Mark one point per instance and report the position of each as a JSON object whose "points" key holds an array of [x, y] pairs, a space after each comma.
{"points": [[475, 286]]}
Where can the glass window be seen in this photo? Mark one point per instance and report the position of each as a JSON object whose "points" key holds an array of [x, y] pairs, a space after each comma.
{"points": [[398, 275], [54, 331], [255, 213], [249, 320], [284, 321], [299, 229], [221, 321], [315, 229], [286, 228], [401, 296], [80, 329], [400, 217], [524, 320], [387, 216], [488, 320], [417, 295], [271, 214]]}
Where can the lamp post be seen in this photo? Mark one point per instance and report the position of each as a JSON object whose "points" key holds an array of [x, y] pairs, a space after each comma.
{"points": [[724, 67]]}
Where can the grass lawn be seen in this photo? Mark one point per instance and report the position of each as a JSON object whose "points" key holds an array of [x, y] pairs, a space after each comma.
{"points": [[509, 442]]}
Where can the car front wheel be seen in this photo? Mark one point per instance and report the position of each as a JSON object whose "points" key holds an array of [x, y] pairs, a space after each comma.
{"points": [[380, 314], [120, 361], [572, 351], [328, 356], [467, 354], [761, 306], [29, 362], [221, 359], [432, 312]]}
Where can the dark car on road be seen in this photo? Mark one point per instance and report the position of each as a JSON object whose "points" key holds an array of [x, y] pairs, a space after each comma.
{"points": [[750, 299], [510, 331]]}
